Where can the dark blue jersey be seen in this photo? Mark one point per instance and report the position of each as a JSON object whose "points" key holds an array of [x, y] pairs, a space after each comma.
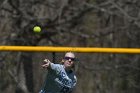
{"points": [[58, 80]]}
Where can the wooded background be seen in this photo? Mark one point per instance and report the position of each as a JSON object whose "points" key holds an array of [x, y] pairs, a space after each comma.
{"points": [[82, 23]]}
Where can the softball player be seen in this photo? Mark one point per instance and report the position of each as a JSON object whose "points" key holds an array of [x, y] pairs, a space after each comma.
{"points": [[60, 77]]}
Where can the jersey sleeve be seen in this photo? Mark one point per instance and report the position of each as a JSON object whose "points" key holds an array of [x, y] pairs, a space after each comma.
{"points": [[55, 67], [75, 81]]}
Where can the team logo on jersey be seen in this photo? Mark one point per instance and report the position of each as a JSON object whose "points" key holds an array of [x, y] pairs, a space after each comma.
{"points": [[64, 80]]}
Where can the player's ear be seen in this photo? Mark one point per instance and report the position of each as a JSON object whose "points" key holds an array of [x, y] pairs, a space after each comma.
{"points": [[62, 62]]}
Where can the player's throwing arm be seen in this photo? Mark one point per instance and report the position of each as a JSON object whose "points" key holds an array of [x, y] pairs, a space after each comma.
{"points": [[46, 63]]}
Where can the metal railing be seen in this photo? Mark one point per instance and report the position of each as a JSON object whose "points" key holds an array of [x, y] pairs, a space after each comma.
{"points": [[72, 49]]}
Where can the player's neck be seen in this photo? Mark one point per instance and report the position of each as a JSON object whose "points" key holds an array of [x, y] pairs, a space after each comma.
{"points": [[69, 70]]}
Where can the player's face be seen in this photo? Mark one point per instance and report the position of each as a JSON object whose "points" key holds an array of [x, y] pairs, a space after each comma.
{"points": [[69, 61]]}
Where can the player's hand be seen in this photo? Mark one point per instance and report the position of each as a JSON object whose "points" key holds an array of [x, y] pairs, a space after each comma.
{"points": [[46, 63]]}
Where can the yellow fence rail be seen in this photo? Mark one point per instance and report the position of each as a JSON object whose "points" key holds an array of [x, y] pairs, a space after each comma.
{"points": [[72, 49]]}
